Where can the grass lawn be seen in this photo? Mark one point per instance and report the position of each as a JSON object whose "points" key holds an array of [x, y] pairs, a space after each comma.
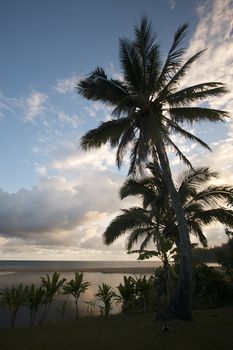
{"points": [[211, 329]]}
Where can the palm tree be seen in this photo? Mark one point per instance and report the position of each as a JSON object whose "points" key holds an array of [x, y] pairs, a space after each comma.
{"points": [[76, 287], [147, 108], [106, 295], [202, 204], [51, 288], [155, 222], [34, 301], [12, 299]]}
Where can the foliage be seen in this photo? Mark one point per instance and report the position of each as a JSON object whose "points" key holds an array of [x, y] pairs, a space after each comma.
{"points": [[90, 306], [209, 287], [165, 278], [12, 299], [76, 287], [126, 294], [135, 294], [144, 291], [225, 256], [51, 286], [155, 222], [34, 301], [147, 102], [106, 295]]}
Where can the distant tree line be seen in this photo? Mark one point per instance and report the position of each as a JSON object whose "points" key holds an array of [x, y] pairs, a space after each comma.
{"points": [[219, 254]]}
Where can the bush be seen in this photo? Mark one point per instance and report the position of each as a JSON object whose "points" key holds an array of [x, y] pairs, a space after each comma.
{"points": [[209, 287]]}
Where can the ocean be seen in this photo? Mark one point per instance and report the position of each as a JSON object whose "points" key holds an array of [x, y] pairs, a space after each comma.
{"points": [[63, 307], [35, 265]]}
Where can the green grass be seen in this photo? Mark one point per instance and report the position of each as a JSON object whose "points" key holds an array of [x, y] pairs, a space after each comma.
{"points": [[211, 329]]}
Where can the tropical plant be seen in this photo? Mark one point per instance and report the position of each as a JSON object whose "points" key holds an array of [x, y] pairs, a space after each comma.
{"points": [[209, 287], [90, 306], [51, 286], [12, 299], [156, 223], [76, 287], [126, 294], [105, 294], [202, 203], [148, 107], [225, 256], [144, 292], [165, 253], [34, 302]]}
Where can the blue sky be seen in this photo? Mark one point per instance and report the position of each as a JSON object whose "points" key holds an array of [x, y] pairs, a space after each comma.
{"points": [[55, 200]]}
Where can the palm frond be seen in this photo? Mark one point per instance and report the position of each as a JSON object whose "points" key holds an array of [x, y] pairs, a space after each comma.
{"points": [[127, 105], [126, 138], [107, 131], [196, 114], [136, 235], [174, 58], [176, 128], [215, 195], [132, 69], [146, 241], [153, 69], [149, 54], [196, 177], [178, 76], [191, 180], [129, 219], [97, 87], [178, 152], [139, 153], [222, 215], [136, 187], [196, 93], [197, 231], [192, 208], [144, 41]]}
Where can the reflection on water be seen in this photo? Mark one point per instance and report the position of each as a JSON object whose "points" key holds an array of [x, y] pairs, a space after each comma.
{"points": [[63, 306]]}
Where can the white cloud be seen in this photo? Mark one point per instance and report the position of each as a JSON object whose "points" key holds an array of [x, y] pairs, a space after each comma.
{"points": [[100, 159], [214, 32], [172, 4], [96, 107], [73, 120], [40, 169], [54, 214], [66, 86], [34, 105]]}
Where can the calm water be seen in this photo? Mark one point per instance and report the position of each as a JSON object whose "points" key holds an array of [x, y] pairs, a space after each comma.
{"points": [[63, 306], [70, 265]]}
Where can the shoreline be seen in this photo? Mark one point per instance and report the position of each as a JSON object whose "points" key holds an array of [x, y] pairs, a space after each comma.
{"points": [[107, 270]]}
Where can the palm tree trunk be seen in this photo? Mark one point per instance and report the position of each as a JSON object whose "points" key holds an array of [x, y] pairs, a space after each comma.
{"points": [[167, 278], [181, 303], [76, 309]]}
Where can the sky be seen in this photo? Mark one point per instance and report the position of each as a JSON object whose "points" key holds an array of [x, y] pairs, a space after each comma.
{"points": [[55, 199]]}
